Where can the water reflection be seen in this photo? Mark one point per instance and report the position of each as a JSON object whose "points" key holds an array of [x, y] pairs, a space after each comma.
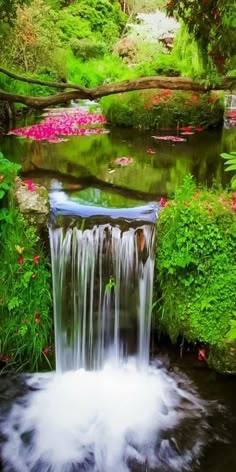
{"points": [[91, 157]]}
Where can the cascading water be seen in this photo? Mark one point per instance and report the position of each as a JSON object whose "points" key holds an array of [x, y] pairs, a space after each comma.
{"points": [[103, 281], [106, 409]]}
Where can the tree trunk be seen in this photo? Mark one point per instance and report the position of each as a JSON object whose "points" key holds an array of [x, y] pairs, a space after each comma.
{"points": [[78, 92]]}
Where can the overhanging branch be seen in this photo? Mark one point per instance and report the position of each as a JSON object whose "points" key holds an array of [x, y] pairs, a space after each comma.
{"points": [[78, 92]]}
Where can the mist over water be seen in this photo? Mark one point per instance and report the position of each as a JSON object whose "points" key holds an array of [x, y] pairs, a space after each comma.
{"points": [[107, 420]]}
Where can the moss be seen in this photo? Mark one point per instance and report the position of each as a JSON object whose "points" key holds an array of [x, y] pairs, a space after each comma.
{"points": [[196, 265]]}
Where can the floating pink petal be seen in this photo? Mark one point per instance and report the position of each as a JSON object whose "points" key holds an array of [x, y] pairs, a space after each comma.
{"points": [[123, 161], [175, 139], [187, 133], [63, 124]]}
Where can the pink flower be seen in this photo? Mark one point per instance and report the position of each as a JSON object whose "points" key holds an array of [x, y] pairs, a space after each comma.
{"points": [[36, 259], [163, 202], [233, 206], [151, 151], [21, 260], [46, 351], [30, 185], [123, 161]]}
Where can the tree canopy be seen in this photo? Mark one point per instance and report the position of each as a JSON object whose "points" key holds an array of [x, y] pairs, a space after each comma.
{"points": [[213, 25]]}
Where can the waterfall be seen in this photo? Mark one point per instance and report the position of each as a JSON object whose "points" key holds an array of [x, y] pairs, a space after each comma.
{"points": [[102, 289], [106, 409]]}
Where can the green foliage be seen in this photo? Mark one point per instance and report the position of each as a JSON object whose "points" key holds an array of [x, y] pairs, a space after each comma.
{"points": [[8, 172], [213, 24], [196, 264], [186, 53], [163, 108], [230, 165], [231, 335], [86, 49], [104, 18], [25, 285], [8, 9], [25, 298], [72, 27], [95, 71], [33, 41]]}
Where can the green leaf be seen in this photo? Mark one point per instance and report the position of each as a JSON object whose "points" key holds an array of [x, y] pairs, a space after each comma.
{"points": [[232, 167]]}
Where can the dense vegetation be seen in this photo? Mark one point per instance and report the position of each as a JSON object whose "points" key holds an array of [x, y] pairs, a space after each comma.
{"points": [[196, 264], [25, 291]]}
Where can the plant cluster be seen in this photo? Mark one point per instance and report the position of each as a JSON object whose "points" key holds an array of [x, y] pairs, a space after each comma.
{"points": [[230, 163], [196, 264], [163, 108], [25, 298]]}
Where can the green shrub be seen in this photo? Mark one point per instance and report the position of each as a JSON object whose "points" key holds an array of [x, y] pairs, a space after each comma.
{"points": [[163, 108], [86, 49], [196, 264], [230, 164]]}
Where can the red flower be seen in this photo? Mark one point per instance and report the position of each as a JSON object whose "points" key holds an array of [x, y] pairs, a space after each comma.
{"points": [[46, 351], [30, 185], [163, 202], [233, 206], [36, 318], [36, 259], [21, 260], [234, 196], [201, 355]]}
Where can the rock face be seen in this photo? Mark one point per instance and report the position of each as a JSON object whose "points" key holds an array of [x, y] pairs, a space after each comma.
{"points": [[223, 359], [33, 202]]}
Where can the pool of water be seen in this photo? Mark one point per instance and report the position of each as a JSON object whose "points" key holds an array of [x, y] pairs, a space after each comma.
{"points": [[178, 414], [87, 162]]}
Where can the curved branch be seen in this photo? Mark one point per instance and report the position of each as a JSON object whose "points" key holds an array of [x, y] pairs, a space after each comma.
{"points": [[41, 82], [155, 82]]}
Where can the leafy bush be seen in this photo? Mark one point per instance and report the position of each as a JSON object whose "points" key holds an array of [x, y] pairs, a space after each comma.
{"points": [[34, 39], [196, 264], [86, 49], [163, 108], [25, 288], [96, 71], [230, 164]]}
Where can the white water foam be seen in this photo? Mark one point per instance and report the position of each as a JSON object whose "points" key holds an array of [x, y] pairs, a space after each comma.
{"points": [[105, 421]]}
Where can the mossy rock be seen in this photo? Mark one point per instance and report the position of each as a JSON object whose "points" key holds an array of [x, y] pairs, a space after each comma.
{"points": [[33, 204], [223, 358]]}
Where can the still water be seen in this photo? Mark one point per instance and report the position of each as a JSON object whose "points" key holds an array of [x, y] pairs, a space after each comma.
{"points": [[87, 162]]}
